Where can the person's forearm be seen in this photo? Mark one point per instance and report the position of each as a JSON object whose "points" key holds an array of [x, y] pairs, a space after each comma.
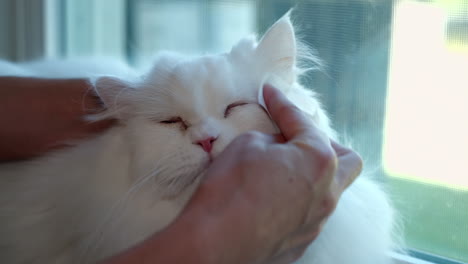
{"points": [[37, 115]]}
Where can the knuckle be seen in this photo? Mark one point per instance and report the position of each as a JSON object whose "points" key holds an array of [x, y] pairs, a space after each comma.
{"points": [[247, 138], [326, 160], [251, 136], [326, 156], [329, 205], [359, 162], [250, 144]]}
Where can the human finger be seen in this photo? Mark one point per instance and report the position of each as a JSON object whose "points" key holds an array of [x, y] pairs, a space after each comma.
{"points": [[349, 166], [291, 121], [279, 138]]}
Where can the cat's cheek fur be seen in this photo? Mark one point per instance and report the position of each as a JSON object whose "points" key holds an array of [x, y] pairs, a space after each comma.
{"points": [[162, 150], [249, 118], [252, 117]]}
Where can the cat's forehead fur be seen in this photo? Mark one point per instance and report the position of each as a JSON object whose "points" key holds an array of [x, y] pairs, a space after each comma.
{"points": [[197, 86]]}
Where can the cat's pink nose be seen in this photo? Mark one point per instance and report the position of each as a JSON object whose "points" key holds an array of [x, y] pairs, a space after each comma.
{"points": [[207, 143]]}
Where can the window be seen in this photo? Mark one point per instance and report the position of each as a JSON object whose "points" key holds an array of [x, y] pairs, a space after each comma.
{"points": [[396, 83], [425, 128]]}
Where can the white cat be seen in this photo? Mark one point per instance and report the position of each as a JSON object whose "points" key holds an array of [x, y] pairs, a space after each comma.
{"points": [[81, 204]]}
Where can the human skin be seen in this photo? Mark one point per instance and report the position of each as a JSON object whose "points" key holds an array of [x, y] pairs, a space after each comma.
{"points": [[263, 199], [38, 115]]}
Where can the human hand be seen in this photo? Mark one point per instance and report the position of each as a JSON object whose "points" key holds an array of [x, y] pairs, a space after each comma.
{"points": [[270, 195]]}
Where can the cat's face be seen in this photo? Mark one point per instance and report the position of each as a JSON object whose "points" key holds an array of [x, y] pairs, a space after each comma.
{"points": [[190, 113], [185, 111]]}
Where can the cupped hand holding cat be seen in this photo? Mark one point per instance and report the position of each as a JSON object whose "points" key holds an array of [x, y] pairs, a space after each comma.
{"points": [[264, 199]]}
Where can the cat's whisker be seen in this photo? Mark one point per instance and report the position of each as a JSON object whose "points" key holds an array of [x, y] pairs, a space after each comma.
{"points": [[179, 179], [96, 238]]}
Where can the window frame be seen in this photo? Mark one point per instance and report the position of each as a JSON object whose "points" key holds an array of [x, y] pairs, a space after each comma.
{"points": [[402, 259], [419, 257]]}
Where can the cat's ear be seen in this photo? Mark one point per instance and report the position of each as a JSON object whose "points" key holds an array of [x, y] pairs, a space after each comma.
{"points": [[277, 50], [113, 93]]}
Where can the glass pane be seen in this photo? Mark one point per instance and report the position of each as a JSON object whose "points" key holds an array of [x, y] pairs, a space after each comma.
{"points": [[189, 27], [426, 129]]}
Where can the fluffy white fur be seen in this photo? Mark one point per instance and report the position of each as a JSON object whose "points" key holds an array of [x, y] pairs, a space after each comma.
{"points": [[87, 202]]}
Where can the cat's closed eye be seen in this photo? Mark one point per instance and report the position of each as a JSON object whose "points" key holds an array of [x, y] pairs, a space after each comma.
{"points": [[174, 120], [230, 107]]}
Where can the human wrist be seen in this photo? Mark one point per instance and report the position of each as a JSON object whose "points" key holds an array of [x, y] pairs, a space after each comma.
{"points": [[177, 243], [221, 224], [188, 239], [202, 226]]}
